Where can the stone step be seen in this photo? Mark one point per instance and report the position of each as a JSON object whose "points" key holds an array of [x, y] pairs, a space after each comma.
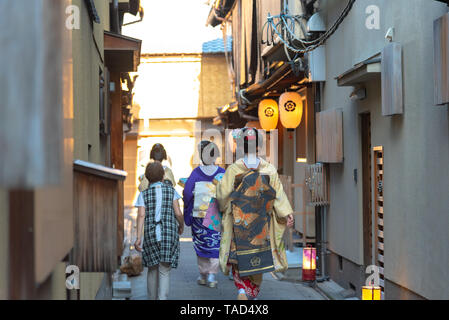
{"points": [[121, 286]]}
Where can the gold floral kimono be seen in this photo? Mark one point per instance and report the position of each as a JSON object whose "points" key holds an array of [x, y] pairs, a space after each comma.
{"points": [[282, 209]]}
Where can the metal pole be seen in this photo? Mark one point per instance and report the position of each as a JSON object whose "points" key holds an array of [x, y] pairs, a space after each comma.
{"points": [[324, 277], [115, 17]]}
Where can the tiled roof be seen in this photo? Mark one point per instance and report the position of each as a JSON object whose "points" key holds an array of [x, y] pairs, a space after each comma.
{"points": [[217, 46]]}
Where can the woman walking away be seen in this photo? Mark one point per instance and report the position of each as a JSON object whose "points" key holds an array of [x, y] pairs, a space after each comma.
{"points": [[202, 215], [158, 154], [160, 217], [255, 213]]}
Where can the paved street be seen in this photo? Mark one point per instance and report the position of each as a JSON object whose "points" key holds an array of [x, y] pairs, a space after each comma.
{"points": [[183, 284]]}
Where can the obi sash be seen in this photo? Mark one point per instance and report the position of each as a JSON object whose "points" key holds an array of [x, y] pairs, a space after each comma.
{"points": [[252, 204], [204, 192]]}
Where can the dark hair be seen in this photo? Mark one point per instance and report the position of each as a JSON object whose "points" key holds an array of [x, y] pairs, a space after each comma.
{"points": [[248, 141], [158, 153], [154, 172], [209, 152]]}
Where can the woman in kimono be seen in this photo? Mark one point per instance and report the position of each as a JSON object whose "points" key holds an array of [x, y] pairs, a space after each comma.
{"points": [[158, 154], [204, 221], [278, 213]]}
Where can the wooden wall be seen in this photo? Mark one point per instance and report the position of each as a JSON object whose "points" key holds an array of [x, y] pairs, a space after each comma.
{"points": [[329, 136], [392, 86], [305, 133], [96, 212], [441, 59]]}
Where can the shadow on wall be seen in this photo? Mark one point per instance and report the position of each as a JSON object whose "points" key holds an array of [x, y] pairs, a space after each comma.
{"points": [[396, 127]]}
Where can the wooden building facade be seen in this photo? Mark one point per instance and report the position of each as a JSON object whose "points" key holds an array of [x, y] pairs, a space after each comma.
{"points": [[64, 115], [376, 126], [262, 68]]}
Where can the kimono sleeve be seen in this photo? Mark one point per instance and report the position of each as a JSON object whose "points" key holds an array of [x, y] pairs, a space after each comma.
{"points": [[188, 199], [225, 188], [282, 205]]}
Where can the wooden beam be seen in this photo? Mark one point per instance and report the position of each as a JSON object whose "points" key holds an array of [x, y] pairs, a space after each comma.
{"points": [[122, 53], [441, 59], [98, 170], [22, 284], [392, 86]]}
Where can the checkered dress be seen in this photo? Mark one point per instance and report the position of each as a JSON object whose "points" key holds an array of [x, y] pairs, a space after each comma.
{"points": [[167, 250]]}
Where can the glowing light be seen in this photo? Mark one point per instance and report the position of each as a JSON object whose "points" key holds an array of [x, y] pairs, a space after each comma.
{"points": [[291, 110], [309, 264], [268, 114], [371, 293]]}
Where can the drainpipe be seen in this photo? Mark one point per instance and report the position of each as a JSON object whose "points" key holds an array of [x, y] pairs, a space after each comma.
{"points": [[115, 17], [321, 212]]}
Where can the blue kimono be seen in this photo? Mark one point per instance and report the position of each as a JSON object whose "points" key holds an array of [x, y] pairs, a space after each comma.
{"points": [[205, 240]]}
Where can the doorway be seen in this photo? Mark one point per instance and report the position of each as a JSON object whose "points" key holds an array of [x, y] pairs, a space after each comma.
{"points": [[367, 189]]}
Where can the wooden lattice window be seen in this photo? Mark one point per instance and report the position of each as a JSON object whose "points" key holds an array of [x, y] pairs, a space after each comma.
{"points": [[379, 212], [317, 185]]}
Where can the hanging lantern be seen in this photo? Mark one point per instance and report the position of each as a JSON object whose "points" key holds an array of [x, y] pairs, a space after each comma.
{"points": [[291, 109], [308, 264], [268, 114], [371, 293]]}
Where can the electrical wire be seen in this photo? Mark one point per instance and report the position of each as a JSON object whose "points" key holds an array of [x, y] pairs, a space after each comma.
{"points": [[288, 28]]}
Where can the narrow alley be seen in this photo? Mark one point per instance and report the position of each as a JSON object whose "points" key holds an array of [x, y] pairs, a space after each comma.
{"points": [[183, 285], [304, 143]]}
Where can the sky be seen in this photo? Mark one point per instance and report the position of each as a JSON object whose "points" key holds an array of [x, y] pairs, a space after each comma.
{"points": [[172, 26]]}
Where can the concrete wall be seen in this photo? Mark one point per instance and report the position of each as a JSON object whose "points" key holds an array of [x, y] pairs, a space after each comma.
{"points": [[416, 147], [88, 62], [88, 57], [4, 244]]}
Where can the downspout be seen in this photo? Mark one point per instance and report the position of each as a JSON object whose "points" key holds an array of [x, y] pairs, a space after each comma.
{"points": [[321, 211], [115, 17]]}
